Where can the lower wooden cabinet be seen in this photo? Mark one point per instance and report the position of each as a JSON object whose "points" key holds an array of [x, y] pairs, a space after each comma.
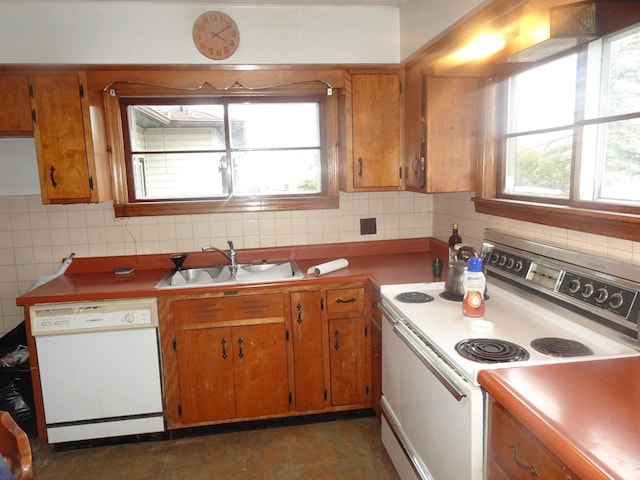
{"points": [[272, 353], [308, 350], [232, 372], [348, 355], [515, 454], [349, 346]]}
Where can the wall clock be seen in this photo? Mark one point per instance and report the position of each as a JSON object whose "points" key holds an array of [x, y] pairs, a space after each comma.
{"points": [[216, 35]]}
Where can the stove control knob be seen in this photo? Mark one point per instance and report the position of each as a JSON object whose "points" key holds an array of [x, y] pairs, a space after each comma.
{"points": [[511, 263], [574, 285], [494, 258], [601, 295], [519, 266], [588, 290], [616, 300], [503, 260]]}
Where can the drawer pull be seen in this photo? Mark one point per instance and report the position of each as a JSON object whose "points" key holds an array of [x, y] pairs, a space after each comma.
{"points": [[351, 300], [224, 348], [531, 468], [299, 319], [336, 335], [240, 352]]}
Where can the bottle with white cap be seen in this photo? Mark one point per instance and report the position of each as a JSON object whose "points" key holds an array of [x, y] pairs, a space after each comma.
{"points": [[473, 284]]}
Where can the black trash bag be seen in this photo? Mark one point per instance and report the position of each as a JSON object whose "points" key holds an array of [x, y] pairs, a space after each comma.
{"points": [[12, 400], [16, 391]]}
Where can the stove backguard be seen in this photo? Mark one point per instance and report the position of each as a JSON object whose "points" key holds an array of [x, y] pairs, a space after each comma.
{"points": [[605, 291]]}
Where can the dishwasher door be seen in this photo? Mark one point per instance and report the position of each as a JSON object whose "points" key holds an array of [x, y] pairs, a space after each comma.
{"points": [[102, 383]]}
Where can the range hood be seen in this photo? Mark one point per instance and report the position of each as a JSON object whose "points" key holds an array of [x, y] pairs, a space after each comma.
{"points": [[546, 32]]}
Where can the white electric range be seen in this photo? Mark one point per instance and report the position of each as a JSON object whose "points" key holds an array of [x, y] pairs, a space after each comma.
{"points": [[545, 305]]}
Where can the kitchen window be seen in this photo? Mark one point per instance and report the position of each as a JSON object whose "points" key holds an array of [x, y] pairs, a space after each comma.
{"points": [[223, 153], [570, 140]]}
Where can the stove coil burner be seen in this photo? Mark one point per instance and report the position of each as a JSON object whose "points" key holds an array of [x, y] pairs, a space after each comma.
{"points": [[452, 297], [414, 297], [491, 350], [560, 347]]}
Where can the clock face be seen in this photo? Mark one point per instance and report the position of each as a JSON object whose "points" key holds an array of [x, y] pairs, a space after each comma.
{"points": [[216, 35]]}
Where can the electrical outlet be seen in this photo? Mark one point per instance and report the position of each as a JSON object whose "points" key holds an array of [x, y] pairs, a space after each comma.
{"points": [[368, 226]]}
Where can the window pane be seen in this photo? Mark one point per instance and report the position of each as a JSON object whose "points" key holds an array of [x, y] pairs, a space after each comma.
{"points": [[611, 162], [540, 164], [274, 125], [171, 128], [179, 175], [543, 97], [277, 172], [619, 74]]}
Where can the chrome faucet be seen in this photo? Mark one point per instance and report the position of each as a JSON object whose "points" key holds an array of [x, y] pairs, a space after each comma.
{"points": [[231, 256]]}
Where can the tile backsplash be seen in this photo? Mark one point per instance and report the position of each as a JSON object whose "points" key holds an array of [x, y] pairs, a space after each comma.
{"points": [[35, 238]]}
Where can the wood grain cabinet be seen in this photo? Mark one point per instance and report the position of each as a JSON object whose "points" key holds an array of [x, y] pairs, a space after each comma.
{"points": [[309, 332], [231, 356], [349, 347], [15, 113], [70, 139], [441, 132], [515, 454], [371, 133]]}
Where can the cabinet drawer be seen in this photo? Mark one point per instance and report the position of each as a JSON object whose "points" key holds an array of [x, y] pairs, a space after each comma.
{"points": [[217, 309], [345, 302], [517, 452]]}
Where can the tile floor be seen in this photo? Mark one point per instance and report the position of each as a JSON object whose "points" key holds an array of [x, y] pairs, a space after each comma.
{"points": [[337, 449]]}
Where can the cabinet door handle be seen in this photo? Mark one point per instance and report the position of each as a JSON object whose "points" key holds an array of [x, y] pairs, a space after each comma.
{"points": [[336, 335], [299, 319], [350, 300], [240, 352], [52, 170], [360, 162], [531, 468], [224, 348]]}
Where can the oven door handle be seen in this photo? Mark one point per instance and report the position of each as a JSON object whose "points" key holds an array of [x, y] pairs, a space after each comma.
{"points": [[424, 359]]}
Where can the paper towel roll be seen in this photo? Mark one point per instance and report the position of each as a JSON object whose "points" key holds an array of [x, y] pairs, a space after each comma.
{"points": [[328, 267]]}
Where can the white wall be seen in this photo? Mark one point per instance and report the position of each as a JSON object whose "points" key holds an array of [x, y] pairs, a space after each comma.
{"points": [[422, 20], [144, 33]]}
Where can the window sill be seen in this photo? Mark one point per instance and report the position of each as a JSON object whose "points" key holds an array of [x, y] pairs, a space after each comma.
{"points": [[236, 205], [611, 224]]}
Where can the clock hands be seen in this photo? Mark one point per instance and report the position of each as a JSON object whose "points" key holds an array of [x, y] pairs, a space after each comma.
{"points": [[214, 34]]}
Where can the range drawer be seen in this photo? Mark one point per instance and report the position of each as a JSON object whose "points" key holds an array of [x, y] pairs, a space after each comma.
{"points": [[345, 302], [221, 309]]}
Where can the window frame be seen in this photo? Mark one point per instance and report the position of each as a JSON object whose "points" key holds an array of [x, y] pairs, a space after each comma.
{"points": [[610, 219], [326, 199]]}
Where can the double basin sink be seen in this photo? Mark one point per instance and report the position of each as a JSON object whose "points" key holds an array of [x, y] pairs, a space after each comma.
{"points": [[221, 275]]}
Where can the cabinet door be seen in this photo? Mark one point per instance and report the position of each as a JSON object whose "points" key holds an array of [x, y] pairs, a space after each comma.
{"points": [[348, 361], [205, 373], [260, 365], [15, 114], [308, 350], [376, 132], [59, 133], [441, 132], [451, 133]]}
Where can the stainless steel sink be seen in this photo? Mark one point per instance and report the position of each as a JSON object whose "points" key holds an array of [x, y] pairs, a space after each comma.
{"points": [[227, 275]]}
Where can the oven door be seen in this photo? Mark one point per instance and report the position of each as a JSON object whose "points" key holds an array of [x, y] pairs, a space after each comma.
{"points": [[432, 416]]}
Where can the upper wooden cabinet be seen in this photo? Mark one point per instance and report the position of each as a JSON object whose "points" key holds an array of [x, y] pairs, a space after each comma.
{"points": [[441, 132], [70, 139], [371, 133], [15, 114]]}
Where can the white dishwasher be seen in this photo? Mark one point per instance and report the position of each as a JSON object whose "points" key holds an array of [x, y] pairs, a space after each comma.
{"points": [[99, 367]]}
